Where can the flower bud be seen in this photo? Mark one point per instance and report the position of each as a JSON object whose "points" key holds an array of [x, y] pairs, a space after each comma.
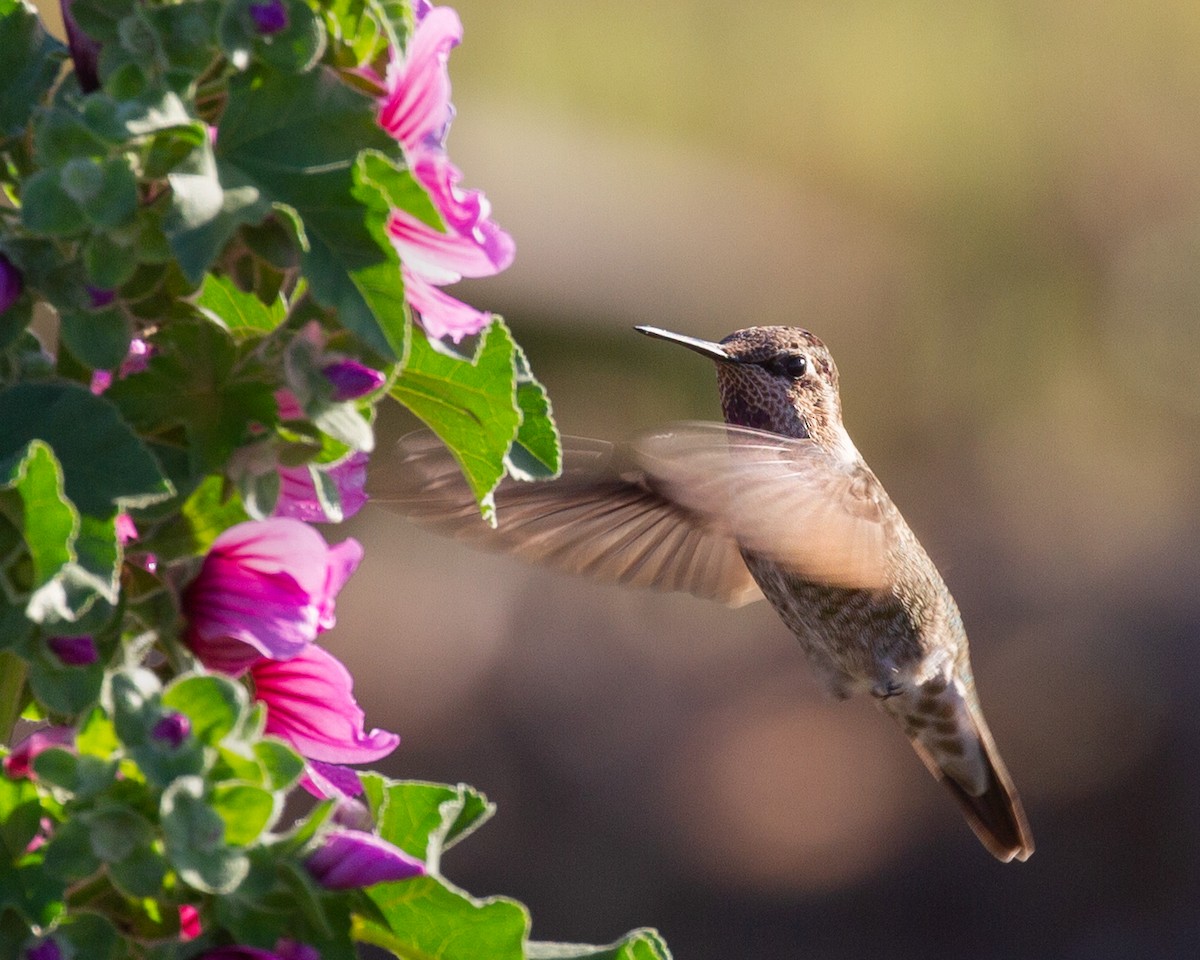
{"points": [[171, 729], [74, 651], [269, 16], [12, 283], [351, 380]]}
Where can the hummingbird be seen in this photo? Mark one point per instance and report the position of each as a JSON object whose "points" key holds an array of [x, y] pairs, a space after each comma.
{"points": [[775, 502]]}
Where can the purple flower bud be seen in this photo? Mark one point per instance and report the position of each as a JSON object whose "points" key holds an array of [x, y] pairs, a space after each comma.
{"points": [[99, 297], [46, 950], [351, 379], [172, 729], [74, 651], [12, 284], [289, 949], [350, 859], [85, 52], [269, 16]]}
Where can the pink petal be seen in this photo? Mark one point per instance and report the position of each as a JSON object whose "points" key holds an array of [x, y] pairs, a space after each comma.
{"points": [[441, 315], [311, 705], [267, 588], [298, 495], [440, 258], [417, 107], [19, 763], [328, 780]]}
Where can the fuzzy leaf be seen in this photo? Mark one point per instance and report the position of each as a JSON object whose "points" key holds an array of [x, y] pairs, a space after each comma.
{"points": [[469, 404]]}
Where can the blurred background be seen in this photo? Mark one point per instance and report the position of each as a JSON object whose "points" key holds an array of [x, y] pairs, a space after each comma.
{"points": [[990, 211]]}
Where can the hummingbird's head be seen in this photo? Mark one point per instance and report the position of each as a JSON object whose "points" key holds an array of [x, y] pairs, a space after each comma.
{"points": [[781, 379]]}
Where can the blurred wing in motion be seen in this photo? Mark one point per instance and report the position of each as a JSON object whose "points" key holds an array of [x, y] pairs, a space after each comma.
{"points": [[822, 517], [602, 518]]}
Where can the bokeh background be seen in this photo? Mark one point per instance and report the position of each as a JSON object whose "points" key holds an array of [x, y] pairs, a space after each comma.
{"points": [[990, 210]]}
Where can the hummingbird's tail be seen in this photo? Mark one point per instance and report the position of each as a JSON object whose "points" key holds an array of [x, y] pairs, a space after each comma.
{"points": [[949, 734]]}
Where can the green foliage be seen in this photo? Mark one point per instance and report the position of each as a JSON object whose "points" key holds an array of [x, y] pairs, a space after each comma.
{"points": [[480, 407], [207, 234], [30, 62]]}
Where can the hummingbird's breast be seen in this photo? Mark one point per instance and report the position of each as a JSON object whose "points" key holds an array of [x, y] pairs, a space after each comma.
{"points": [[857, 639]]}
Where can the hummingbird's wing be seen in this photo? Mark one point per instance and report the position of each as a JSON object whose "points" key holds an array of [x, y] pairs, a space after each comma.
{"points": [[821, 516], [600, 519]]}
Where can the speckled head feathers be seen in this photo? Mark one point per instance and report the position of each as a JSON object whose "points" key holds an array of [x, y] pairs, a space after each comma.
{"points": [[781, 379]]}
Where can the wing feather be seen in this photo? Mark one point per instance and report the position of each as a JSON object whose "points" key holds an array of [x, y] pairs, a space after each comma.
{"points": [[601, 519]]}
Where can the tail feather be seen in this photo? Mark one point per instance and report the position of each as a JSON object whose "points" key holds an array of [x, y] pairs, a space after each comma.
{"points": [[996, 815], [946, 728]]}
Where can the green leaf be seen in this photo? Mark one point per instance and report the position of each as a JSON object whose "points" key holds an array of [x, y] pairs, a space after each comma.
{"points": [[107, 264], [141, 873], [206, 209], [424, 819], [210, 510], [47, 208], [57, 767], [190, 381], [61, 688], [96, 737], [367, 28], [92, 937], [269, 144], [246, 810], [536, 453], [105, 466], [30, 63], [281, 764], [116, 198], [99, 339], [213, 704], [132, 697], [470, 405], [195, 840], [39, 510], [115, 831], [69, 854], [431, 920], [643, 944], [20, 813], [238, 311]]}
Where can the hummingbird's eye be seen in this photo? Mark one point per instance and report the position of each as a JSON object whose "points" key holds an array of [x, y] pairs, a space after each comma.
{"points": [[790, 365]]}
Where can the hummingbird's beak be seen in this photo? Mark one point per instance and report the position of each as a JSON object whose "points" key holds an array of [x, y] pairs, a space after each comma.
{"points": [[714, 351]]}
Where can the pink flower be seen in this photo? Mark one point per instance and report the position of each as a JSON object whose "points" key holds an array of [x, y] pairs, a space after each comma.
{"points": [[471, 246], [416, 110], [298, 494], [266, 589], [19, 763], [442, 315], [126, 529], [135, 361], [310, 704], [189, 922], [349, 859]]}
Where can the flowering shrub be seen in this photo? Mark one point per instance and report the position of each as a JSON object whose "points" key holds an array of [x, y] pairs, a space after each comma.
{"points": [[236, 220]]}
